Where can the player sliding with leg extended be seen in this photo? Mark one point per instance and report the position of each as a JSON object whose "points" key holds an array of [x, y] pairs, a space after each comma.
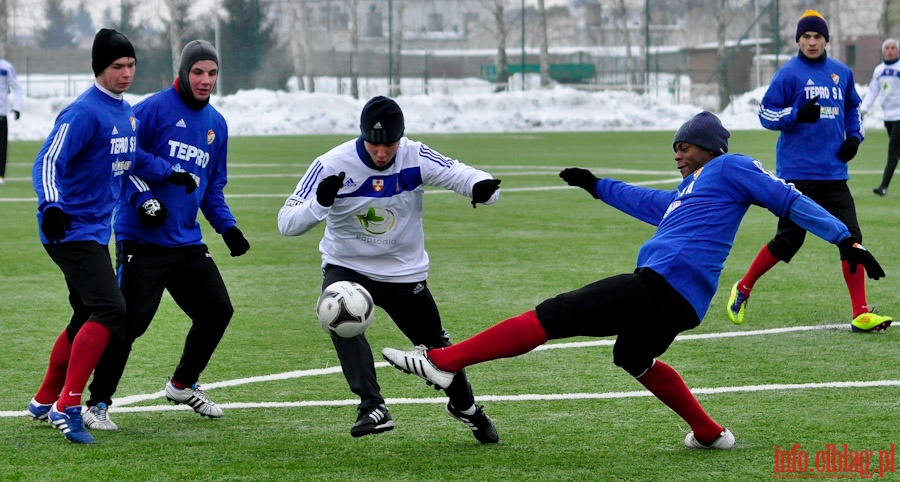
{"points": [[676, 277]]}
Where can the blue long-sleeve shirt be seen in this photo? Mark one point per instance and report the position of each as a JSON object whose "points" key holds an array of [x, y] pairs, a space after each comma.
{"points": [[83, 163], [698, 221], [195, 141], [808, 151]]}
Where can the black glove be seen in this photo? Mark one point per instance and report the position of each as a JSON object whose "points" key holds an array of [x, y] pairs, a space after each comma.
{"points": [[328, 189], [236, 241], [182, 178], [848, 149], [55, 224], [856, 254], [483, 190], [582, 178], [153, 213], [809, 112], [16, 114]]}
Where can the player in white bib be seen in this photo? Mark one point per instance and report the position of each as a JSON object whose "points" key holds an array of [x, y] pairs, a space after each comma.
{"points": [[370, 193]]}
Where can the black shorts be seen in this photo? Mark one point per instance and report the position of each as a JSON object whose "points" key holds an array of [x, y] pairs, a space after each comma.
{"points": [[641, 309], [834, 197], [93, 290], [410, 305]]}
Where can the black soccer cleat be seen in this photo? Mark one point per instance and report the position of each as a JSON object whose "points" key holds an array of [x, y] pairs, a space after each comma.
{"points": [[372, 420], [481, 425]]}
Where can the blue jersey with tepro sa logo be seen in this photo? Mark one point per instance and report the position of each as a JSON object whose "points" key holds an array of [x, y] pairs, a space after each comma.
{"points": [[83, 163], [697, 222], [808, 151], [194, 141]]}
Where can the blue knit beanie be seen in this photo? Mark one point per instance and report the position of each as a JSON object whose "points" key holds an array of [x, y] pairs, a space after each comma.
{"points": [[811, 21], [704, 130]]}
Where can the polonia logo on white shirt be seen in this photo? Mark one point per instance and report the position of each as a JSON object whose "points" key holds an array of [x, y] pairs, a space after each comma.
{"points": [[377, 184]]}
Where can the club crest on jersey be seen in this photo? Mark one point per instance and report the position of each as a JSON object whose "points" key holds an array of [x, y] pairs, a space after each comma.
{"points": [[210, 136], [377, 184], [835, 78]]}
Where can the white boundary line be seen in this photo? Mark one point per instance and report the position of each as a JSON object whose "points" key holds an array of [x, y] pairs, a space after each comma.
{"points": [[121, 404]]}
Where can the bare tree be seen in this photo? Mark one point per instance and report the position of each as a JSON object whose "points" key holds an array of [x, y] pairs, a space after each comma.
{"points": [[294, 41], [629, 59], [396, 47], [4, 26], [299, 42], [353, 5], [544, 57], [721, 21], [179, 28], [498, 29]]}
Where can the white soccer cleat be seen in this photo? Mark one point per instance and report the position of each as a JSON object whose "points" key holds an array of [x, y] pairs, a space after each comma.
{"points": [[417, 362], [97, 418], [194, 397], [724, 442]]}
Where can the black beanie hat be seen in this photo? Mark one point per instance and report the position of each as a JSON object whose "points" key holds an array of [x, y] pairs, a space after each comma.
{"points": [[193, 52], [811, 21], [381, 121], [704, 130], [109, 45]]}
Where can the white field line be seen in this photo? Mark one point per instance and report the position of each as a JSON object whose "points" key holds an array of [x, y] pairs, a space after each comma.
{"points": [[499, 170], [430, 191], [121, 404]]}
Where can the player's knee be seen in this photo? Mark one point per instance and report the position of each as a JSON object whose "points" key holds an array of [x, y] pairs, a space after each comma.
{"points": [[220, 312], [630, 361], [112, 312], [783, 249]]}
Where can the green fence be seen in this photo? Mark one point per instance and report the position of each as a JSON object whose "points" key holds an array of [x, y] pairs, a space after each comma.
{"points": [[562, 73]]}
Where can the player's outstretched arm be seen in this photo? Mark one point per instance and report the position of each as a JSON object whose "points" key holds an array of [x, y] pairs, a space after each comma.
{"points": [[577, 177]]}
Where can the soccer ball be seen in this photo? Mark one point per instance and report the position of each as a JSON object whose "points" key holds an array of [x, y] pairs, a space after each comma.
{"points": [[345, 309]]}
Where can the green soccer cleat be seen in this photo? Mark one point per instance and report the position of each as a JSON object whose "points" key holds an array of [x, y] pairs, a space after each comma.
{"points": [[737, 305], [871, 321]]}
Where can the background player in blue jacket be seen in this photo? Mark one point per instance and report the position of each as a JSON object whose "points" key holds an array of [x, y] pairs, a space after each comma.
{"points": [[370, 191], [78, 176], [677, 273], [181, 127], [812, 101]]}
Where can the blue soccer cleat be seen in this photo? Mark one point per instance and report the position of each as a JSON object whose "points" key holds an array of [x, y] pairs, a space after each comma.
{"points": [[71, 424]]}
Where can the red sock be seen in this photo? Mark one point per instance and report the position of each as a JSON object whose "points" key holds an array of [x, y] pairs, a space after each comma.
{"points": [[856, 284], [179, 385], [87, 348], [56, 371], [763, 262], [514, 336], [664, 382]]}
